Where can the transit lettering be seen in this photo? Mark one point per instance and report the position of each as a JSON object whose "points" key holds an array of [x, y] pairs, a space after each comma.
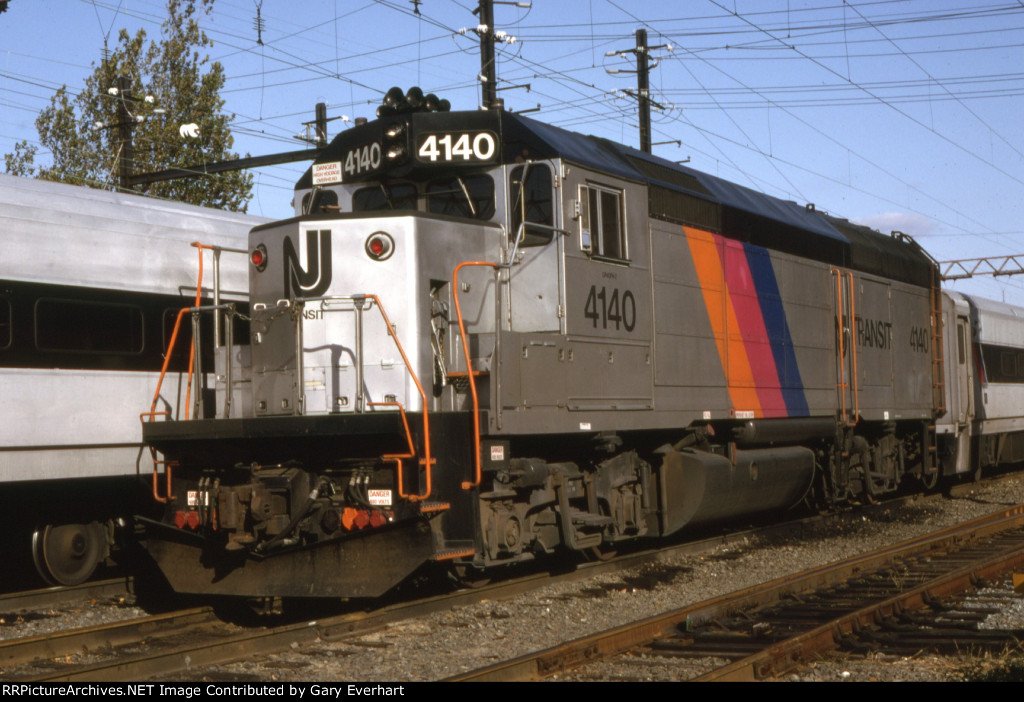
{"points": [[874, 333]]}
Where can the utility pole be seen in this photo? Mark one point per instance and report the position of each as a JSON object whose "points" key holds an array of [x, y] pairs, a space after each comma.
{"points": [[488, 63], [643, 90], [316, 131], [125, 126], [488, 74], [125, 129]]}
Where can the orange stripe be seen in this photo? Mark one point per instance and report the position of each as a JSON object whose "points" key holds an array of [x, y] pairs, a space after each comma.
{"points": [[707, 260]]}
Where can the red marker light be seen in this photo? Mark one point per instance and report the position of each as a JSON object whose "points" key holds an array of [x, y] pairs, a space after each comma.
{"points": [[258, 257], [362, 519], [348, 518], [380, 246]]}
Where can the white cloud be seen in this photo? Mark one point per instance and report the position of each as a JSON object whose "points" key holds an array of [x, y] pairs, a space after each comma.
{"points": [[913, 224]]}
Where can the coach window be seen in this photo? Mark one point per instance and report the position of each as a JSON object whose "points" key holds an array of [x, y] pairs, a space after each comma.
{"points": [[1008, 365], [88, 327], [532, 202], [602, 223], [385, 196], [472, 197], [5, 323]]}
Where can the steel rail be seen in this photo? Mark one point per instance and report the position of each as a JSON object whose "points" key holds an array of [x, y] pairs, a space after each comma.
{"points": [[66, 643], [782, 657], [559, 659], [61, 594]]}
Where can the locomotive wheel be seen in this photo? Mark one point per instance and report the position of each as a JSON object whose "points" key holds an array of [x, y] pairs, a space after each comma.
{"points": [[930, 480], [469, 577], [603, 552], [68, 554]]}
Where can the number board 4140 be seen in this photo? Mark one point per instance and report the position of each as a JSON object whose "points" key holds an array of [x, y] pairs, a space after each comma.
{"points": [[457, 146]]}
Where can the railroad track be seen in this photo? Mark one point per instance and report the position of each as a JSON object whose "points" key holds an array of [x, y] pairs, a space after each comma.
{"points": [[181, 643], [57, 596], [767, 630]]}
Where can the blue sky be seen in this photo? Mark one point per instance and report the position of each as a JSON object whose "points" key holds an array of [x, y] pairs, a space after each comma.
{"points": [[901, 114]]}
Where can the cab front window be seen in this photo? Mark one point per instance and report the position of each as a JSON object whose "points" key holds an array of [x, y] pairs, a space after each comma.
{"points": [[385, 196], [472, 196]]}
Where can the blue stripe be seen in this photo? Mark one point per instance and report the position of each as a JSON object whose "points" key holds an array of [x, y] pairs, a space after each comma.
{"points": [[778, 330]]}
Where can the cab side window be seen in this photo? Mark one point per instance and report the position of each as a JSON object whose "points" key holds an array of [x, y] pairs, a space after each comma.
{"points": [[602, 222], [532, 200]]}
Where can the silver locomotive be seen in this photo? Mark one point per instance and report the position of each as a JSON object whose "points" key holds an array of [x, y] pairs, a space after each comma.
{"points": [[483, 339]]}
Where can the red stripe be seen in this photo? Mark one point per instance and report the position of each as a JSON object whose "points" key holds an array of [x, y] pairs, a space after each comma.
{"points": [[752, 331]]}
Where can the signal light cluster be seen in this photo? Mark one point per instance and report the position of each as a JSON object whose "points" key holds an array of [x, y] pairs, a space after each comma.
{"points": [[188, 519], [351, 518], [355, 519], [398, 103]]}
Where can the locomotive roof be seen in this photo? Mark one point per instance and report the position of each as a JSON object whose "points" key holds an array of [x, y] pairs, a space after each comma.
{"points": [[708, 202]]}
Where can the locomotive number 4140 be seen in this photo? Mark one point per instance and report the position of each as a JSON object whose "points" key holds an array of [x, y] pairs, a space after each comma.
{"points": [[457, 147], [608, 308]]}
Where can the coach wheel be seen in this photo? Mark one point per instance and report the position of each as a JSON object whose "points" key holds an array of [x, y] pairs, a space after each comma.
{"points": [[68, 554]]}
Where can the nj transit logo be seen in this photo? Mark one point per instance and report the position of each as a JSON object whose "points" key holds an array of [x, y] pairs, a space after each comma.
{"points": [[313, 279]]}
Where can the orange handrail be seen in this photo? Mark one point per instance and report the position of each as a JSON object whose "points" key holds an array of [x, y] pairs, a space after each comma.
{"points": [[843, 384], [156, 483], [477, 468], [853, 349], [192, 349], [174, 337], [427, 460], [397, 458], [163, 370], [159, 384]]}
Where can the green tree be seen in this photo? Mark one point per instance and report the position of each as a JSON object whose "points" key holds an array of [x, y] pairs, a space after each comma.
{"points": [[84, 141]]}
